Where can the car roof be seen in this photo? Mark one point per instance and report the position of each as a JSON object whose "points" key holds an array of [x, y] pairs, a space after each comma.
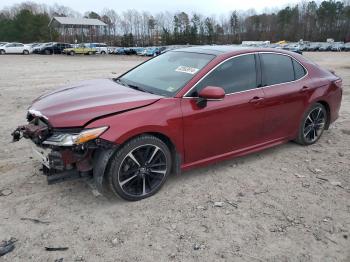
{"points": [[219, 50], [212, 49]]}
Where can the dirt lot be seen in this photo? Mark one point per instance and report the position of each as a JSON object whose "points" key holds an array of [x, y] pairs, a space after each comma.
{"points": [[289, 203]]}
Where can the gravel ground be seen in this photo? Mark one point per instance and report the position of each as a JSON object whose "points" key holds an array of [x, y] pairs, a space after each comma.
{"points": [[288, 203]]}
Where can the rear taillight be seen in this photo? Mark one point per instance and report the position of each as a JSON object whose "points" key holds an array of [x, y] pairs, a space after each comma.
{"points": [[338, 82]]}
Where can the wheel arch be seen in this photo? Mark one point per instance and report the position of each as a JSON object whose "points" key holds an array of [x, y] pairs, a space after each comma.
{"points": [[101, 160], [328, 110], [175, 154]]}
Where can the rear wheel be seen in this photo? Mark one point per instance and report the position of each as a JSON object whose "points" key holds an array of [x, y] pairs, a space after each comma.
{"points": [[103, 53], [47, 52], [90, 53], [140, 168], [2, 52], [25, 52], [72, 53], [312, 125]]}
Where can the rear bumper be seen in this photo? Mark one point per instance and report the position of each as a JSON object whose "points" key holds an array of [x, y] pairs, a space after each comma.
{"points": [[335, 100]]}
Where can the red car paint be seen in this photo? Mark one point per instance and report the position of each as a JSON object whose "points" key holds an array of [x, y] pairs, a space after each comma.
{"points": [[76, 105], [240, 123]]}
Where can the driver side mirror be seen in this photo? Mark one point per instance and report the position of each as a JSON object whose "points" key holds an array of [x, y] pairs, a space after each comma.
{"points": [[210, 93]]}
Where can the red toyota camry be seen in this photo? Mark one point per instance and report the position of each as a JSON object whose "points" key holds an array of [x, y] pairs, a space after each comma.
{"points": [[185, 108]]}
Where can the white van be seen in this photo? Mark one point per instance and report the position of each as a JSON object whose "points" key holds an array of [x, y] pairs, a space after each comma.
{"points": [[100, 47]]}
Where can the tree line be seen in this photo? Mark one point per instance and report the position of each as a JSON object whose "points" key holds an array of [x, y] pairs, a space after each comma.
{"points": [[308, 20]]}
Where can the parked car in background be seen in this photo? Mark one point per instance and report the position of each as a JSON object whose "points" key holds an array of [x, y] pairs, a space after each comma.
{"points": [[347, 46], [80, 49], [140, 51], [32, 45], [37, 47], [325, 47], [293, 47], [129, 51], [338, 46], [15, 48], [312, 47], [180, 110], [54, 48], [111, 49], [3, 43], [101, 48], [119, 51], [153, 51]]}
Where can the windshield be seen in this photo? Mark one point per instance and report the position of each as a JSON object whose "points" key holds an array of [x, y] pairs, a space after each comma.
{"points": [[166, 74]]}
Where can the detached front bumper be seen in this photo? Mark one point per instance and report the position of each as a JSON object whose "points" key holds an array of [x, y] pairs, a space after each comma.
{"points": [[62, 165], [60, 162]]}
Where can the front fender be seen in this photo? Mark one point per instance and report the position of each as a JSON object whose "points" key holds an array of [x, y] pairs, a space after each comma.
{"points": [[163, 117]]}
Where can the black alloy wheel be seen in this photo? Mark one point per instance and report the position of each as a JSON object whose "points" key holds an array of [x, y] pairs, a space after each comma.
{"points": [[139, 168], [313, 125]]}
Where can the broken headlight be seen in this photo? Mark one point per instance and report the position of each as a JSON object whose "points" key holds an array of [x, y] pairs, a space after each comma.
{"points": [[64, 139]]}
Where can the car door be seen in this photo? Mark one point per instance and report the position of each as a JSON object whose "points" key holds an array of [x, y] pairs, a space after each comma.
{"points": [[56, 48], [79, 49], [19, 48], [285, 95], [228, 125], [11, 48]]}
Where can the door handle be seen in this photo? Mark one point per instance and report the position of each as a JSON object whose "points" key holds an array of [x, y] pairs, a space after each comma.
{"points": [[304, 89], [256, 99]]}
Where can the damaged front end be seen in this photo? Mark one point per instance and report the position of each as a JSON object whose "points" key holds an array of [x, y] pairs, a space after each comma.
{"points": [[66, 153]]}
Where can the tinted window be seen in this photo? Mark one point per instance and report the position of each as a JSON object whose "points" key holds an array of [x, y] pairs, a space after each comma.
{"points": [[237, 74], [278, 69], [299, 70]]}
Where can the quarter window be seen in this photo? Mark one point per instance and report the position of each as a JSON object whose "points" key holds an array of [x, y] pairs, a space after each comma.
{"points": [[277, 69], [235, 75], [299, 70]]}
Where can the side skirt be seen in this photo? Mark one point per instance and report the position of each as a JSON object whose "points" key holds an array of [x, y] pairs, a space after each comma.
{"points": [[235, 153]]}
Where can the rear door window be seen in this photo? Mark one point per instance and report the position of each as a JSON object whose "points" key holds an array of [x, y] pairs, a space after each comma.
{"points": [[277, 69]]}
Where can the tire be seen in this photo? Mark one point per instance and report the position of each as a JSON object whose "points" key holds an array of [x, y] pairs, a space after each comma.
{"points": [[312, 125], [139, 168], [25, 52], [90, 53], [72, 53], [47, 52], [103, 53], [2, 52]]}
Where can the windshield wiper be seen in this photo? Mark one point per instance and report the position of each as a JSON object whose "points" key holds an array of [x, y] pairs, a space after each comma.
{"points": [[140, 89], [118, 80]]}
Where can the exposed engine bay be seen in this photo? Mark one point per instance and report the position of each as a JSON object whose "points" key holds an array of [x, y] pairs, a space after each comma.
{"points": [[62, 152]]}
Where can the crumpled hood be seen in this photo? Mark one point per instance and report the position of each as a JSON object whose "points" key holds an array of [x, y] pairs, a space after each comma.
{"points": [[75, 105]]}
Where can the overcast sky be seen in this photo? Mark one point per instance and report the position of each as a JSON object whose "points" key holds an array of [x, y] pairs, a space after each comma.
{"points": [[207, 7]]}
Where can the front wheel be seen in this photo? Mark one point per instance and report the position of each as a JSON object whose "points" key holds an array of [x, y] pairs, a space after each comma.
{"points": [[140, 168], [313, 124], [25, 52], [2, 52], [72, 53]]}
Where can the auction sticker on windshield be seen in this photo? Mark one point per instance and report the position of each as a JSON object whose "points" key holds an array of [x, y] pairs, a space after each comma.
{"points": [[187, 69]]}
